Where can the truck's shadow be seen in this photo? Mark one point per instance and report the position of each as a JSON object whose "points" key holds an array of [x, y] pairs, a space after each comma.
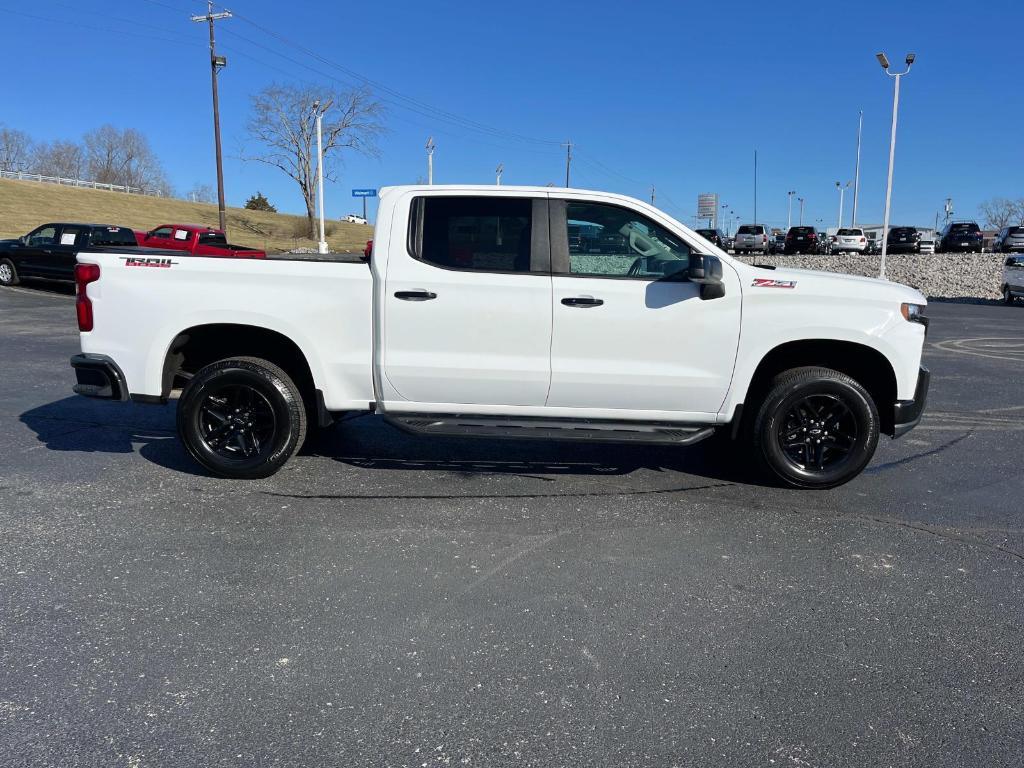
{"points": [[77, 424]]}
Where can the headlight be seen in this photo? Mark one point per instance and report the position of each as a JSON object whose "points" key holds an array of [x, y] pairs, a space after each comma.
{"points": [[914, 313]]}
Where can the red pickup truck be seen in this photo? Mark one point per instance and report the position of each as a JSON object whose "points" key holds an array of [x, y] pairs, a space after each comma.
{"points": [[197, 240]]}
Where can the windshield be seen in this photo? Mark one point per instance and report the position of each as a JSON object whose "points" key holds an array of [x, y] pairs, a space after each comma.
{"points": [[850, 232], [969, 226], [801, 230], [750, 229]]}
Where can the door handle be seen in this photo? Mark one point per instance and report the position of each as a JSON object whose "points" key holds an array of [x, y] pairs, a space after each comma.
{"points": [[415, 295], [583, 301]]}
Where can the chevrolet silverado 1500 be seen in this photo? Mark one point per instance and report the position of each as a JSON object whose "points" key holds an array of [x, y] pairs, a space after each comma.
{"points": [[478, 314]]}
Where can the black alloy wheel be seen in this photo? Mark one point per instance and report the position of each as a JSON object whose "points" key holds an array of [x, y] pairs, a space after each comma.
{"points": [[816, 428], [242, 417]]}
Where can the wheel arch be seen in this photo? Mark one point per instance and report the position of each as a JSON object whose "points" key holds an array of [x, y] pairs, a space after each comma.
{"points": [[865, 364], [200, 345]]}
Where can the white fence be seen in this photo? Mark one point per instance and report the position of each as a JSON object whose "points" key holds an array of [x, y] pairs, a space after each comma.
{"points": [[23, 176]]}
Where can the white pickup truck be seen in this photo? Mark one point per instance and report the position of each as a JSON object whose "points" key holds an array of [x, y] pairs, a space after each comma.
{"points": [[524, 312]]}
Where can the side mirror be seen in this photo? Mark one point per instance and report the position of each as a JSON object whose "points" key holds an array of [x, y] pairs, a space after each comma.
{"points": [[706, 271]]}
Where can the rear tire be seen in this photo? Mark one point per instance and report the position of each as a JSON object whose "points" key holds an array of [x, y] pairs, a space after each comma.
{"points": [[242, 418], [1007, 295], [816, 428], [8, 273]]}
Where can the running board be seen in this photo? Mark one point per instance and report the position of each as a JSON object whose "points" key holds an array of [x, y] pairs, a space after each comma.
{"points": [[541, 428]]}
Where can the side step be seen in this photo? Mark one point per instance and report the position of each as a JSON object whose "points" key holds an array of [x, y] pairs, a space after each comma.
{"points": [[542, 428]]}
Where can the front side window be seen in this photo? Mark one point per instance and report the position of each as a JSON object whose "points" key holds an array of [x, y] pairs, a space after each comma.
{"points": [[162, 232], [487, 234], [43, 236], [609, 241]]}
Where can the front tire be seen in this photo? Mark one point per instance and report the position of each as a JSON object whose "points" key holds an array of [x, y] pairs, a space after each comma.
{"points": [[816, 428], [8, 273], [242, 418]]}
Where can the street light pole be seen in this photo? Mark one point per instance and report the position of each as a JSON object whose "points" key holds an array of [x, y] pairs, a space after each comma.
{"points": [[856, 172], [322, 244], [884, 61], [801, 210], [789, 216], [842, 191], [497, 172], [430, 160]]}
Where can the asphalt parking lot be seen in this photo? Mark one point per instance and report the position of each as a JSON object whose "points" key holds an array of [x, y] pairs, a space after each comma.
{"points": [[393, 601]]}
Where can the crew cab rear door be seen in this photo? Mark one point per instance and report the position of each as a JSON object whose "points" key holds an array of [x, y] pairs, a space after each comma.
{"points": [[467, 302], [629, 330]]}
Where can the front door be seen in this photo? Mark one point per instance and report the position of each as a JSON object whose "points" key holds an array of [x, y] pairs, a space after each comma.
{"points": [[629, 330], [35, 257], [467, 304]]}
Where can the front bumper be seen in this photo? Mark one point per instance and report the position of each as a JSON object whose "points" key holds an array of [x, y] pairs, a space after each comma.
{"points": [[907, 413], [99, 376]]}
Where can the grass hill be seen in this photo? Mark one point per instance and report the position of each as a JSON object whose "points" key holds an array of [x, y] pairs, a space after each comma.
{"points": [[24, 205]]}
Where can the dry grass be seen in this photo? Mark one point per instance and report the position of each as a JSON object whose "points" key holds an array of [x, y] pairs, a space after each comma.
{"points": [[24, 205]]}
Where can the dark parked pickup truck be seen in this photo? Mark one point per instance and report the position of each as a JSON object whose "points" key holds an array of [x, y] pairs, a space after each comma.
{"points": [[50, 251]]}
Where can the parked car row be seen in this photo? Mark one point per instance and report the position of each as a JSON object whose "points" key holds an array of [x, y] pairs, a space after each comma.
{"points": [[50, 251]]}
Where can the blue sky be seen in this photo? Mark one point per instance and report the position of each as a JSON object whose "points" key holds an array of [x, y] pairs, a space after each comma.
{"points": [[674, 94]]}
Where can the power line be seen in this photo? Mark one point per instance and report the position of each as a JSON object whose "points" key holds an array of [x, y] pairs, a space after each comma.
{"points": [[436, 112]]}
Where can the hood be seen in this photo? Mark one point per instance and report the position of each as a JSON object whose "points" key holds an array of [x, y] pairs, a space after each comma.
{"points": [[842, 284], [12, 241]]}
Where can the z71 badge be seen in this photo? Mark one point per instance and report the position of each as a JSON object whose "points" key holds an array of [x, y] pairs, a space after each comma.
{"points": [[764, 282], [139, 261]]}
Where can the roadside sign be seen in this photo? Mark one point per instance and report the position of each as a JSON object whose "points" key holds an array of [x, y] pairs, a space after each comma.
{"points": [[364, 193], [707, 205]]}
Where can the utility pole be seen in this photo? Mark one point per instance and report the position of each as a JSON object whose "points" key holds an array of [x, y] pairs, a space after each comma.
{"points": [[948, 208], [568, 160], [652, 194], [856, 173], [801, 210], [789, 216], [216, 63], [430, 159], [498, 171]]}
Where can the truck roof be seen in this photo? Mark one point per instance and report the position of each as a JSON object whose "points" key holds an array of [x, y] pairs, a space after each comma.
{"points": [[193, 227]]}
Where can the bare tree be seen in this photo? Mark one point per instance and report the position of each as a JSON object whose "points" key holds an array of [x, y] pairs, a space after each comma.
{"points": [[124, 157], [65, 159], [15, 149], [200, 193], [283, 122], [1000, 212]]}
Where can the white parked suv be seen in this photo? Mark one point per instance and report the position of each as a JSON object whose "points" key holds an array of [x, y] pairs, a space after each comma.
{"points": [[478, 314], [849, 239], [353, 218], [752, 237], [1013, 278]]}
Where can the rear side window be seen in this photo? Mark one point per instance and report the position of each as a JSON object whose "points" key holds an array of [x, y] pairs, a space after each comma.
{"points": [[488, 234], [105, 236]]}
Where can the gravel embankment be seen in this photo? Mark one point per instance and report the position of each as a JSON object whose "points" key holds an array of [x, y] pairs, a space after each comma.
{"points": [[938, 276]]}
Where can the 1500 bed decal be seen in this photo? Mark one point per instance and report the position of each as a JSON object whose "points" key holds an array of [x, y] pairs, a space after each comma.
{"points": [[140, 261], [764, 282]]}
